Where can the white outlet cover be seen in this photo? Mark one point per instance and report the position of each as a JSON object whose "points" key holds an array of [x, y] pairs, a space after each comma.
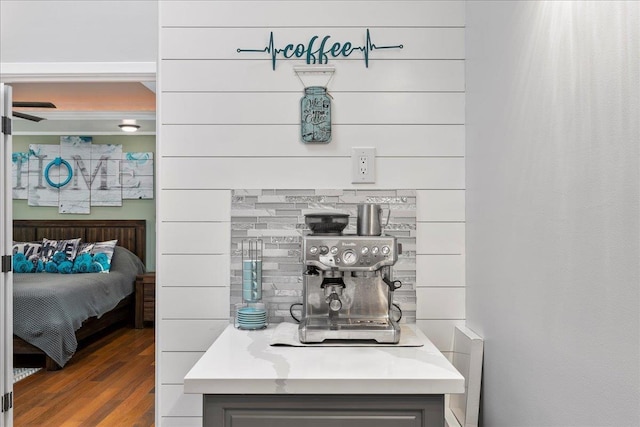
{"points": [[357, 175]]}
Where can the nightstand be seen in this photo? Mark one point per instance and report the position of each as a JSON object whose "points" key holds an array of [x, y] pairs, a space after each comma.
{"points": [[145, 299]]}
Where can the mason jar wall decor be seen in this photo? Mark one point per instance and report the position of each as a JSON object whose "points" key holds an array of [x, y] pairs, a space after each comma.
{"points": [[315, 107]]}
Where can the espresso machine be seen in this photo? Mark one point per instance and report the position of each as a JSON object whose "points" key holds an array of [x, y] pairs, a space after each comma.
{"points": [[347, 279]]}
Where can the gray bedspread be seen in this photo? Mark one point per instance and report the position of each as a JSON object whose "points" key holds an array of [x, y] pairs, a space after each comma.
{"points": [[49, 307]]}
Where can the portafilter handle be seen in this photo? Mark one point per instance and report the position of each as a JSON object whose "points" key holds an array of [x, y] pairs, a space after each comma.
{"points": [[334, 302]]}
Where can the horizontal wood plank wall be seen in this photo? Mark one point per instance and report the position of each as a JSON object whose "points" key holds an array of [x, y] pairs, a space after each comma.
{"points": [[228, 120]]}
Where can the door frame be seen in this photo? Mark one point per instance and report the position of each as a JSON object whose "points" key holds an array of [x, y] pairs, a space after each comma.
{"points": [[6, 276], [47, 73]]}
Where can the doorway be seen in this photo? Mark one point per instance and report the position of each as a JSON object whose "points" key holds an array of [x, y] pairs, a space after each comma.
{"points": [[101, 122]]}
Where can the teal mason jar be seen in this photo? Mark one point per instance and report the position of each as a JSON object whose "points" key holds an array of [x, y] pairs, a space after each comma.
{"points": [[315, 107]]}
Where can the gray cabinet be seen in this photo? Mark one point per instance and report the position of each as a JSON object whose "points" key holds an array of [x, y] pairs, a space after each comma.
{"points": [[286, 410]]}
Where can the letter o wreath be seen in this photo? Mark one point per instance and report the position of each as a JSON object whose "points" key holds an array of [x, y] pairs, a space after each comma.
{"points": [[58, 161]]}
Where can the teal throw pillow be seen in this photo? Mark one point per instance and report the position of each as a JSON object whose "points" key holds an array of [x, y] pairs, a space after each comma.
{"points": [[26, 257], [94, 257], [57, 256]]}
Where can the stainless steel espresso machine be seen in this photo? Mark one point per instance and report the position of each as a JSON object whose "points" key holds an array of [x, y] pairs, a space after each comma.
{"points": [[347, 283]]}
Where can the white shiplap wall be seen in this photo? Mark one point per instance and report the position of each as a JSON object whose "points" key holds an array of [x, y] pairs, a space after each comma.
{"points": [[227, 120]]}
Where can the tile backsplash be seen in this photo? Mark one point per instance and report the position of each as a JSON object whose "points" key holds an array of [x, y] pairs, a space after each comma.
{"points": [[277, 217]]}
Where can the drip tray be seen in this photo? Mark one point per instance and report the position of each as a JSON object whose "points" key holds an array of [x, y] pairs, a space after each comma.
{"points": [[319, 329], [351, 324], [287, 334]]}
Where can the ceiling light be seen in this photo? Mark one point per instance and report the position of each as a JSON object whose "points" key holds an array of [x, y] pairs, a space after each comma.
{"points": [[129, 126]]}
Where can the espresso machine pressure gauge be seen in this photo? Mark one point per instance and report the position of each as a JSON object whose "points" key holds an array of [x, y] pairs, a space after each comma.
{"points": [[349, 257]]}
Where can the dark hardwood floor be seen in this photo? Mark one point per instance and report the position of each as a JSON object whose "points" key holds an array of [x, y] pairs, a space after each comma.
{"points": [[108, 382]]}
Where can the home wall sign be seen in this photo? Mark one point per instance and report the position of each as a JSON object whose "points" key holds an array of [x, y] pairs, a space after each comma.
{"points": [[318, 51], [77, 174]]}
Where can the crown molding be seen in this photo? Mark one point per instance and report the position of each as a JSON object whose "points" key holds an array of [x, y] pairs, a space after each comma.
{"points": [[96, 115], [81, 133]]}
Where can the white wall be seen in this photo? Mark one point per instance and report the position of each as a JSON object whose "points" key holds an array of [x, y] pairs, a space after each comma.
{"points": [[552, 210], [229, 121], [66, 39]]}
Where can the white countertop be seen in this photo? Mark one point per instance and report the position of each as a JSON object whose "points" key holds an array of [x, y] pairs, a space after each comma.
{"points": [[243, 362]]}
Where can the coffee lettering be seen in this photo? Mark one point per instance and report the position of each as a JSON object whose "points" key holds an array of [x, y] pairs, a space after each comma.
{"points": [[321, 54]]}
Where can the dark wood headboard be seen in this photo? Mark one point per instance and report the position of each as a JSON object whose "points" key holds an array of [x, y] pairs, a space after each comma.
{"points": [[131, 233]]}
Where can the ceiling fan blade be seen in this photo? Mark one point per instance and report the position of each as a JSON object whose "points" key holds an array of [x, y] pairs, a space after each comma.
{"points": [[33, 104], [27, 116]]}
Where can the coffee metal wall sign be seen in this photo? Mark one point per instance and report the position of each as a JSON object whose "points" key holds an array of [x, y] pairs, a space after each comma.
{"points": [[315, 108], [318, 51]]}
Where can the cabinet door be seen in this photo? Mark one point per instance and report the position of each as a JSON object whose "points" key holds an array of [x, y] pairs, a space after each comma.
{"points": [[324, 410]]}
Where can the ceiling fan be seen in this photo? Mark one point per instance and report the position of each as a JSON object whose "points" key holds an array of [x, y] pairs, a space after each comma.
{"points": [[30, 104]]}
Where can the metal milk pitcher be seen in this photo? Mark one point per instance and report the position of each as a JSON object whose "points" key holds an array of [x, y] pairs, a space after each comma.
{"points": [[369, 219]]}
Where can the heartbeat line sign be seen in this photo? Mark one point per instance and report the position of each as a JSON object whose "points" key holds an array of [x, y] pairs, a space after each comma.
{"points": [[317, 51]]}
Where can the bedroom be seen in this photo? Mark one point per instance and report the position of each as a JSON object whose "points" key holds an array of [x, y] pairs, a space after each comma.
{"points": [[88, 109]]}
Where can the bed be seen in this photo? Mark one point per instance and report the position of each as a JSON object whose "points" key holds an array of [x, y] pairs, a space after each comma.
{"points": [[75, 313]]}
